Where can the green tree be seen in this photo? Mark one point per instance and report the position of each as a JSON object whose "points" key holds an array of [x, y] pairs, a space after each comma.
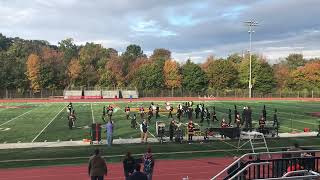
{"points": [[132, 53], [222, 74], [235, 58], [193, 77], [69, 49], [294, 61], [265, 80], [148, 76], [244, 70]]}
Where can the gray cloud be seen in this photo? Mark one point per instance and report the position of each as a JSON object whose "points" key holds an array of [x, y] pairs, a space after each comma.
{"points": [[192, 29]]}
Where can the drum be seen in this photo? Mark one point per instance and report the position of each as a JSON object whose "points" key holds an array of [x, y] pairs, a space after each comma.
{"points": [[168, 107]]}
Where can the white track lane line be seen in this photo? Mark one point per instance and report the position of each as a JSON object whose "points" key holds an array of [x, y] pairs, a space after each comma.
{"points": [[17, 117], [93, 121], [48, 124]]}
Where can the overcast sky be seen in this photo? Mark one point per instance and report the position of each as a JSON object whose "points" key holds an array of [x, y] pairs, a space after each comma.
{"points": [[190, 29]]}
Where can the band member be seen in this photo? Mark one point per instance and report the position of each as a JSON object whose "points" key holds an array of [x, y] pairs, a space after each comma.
{"points": [[104, 114], [172, 129], [141, 111], [238, 120], [127, 111], [235, 113], [157, 111], [189, 112], [71, 119], [214, 115], [190, 103], [179, 113], [197, 110], [170, 112], [202, 115], [264, 112], [144, 131], [110, 112], [275, 121], [69, 108], [244, 115], [190, 130], [229, 116], [208, 116], [249, 119], [223, 125], [150, 114], [262, 122], [133, 121]]}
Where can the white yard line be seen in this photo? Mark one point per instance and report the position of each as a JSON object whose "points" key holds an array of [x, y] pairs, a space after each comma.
{"points": [[93, 121], [16, 117], [48, 124]]}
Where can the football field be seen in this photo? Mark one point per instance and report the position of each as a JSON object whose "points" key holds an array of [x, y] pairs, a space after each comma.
{"points": [[38, 122]]}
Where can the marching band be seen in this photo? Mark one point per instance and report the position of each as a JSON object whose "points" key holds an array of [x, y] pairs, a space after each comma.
{"points": [[183, 111]]}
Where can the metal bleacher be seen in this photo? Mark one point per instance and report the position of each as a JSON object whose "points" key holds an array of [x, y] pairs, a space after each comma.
{"points": [[72, 94], [130, 94], [274, 165]]}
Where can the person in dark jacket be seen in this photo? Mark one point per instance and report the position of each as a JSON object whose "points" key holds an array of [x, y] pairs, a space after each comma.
{"points": [[172, 129], [229, 116], [157, 111], [197, 111], [137, 175], [214, 114], [97, 167], [128, 165]]}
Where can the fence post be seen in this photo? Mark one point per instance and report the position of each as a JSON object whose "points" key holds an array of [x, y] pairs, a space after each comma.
{"points": [[312, 94]]}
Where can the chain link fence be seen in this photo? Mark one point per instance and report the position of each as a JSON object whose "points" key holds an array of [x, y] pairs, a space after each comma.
{"points": [[237, 93]]}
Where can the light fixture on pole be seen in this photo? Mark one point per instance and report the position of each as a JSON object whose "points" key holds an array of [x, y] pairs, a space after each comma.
{"points": [[250, 24]]}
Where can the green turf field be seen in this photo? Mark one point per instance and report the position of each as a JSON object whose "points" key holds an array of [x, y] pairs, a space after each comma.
{"points": [[48, 121]]}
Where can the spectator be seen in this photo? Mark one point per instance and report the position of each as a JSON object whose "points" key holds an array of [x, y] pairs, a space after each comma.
{"points": [[97, 167], [109, 131], [128, 165], [148, 163], [137, 175]]}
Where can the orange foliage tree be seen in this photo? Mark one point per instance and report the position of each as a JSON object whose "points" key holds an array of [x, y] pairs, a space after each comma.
{"points": [[33, 72], [172, 76], [74, 70]]}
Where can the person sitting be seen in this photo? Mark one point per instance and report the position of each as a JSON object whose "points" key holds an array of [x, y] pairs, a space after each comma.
{"points": [[262, 123], [138, 175], [238, 121]]}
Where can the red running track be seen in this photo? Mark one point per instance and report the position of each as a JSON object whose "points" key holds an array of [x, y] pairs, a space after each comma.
{"points": [[196, 169]]}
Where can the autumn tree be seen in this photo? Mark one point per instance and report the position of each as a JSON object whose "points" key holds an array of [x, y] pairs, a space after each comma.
{"points": [[160, 53], [148, 77], [33, 72], [282, 76], [172, 77], [307, 77], [222, 74], [74, 70]]}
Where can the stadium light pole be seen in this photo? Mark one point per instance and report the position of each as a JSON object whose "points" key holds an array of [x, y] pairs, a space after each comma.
{"points": [[250, 24]]}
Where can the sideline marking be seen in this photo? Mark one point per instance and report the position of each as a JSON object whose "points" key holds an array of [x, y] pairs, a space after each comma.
{"points": [[93, 121], [48, 124], [16, 117]]}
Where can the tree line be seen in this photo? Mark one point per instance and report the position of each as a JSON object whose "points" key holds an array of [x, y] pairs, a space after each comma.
{"points": [[36, 64]]}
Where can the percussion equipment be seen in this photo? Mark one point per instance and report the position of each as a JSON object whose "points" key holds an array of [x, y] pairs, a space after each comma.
{"points": [[168, 107]]}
